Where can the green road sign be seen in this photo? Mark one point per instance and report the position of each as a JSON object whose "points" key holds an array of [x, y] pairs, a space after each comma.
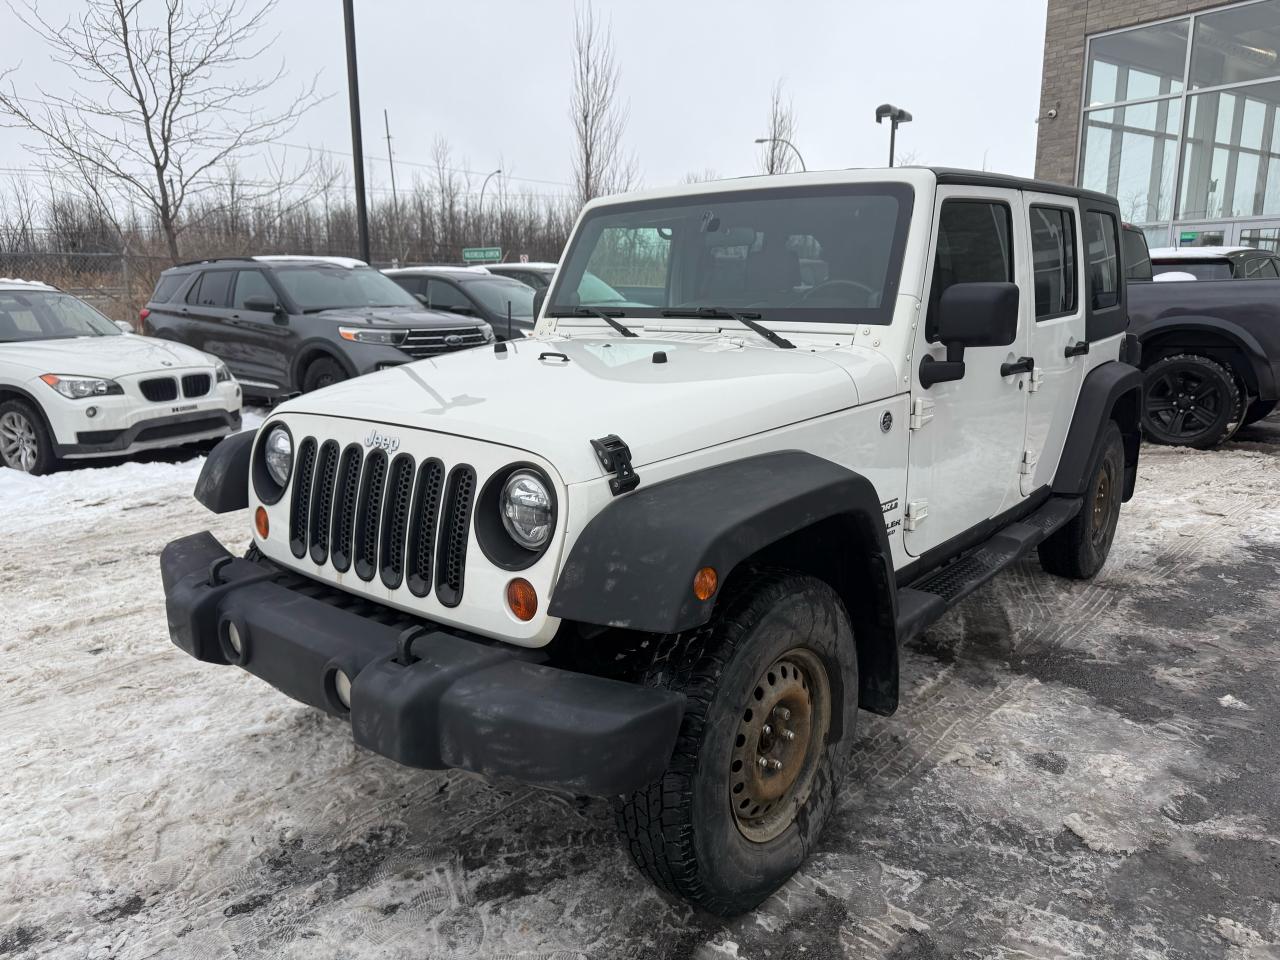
{"points": [[481, 254], [1188, 236]]}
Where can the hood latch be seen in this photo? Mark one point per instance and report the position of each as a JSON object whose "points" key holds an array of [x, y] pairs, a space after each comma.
{"points": [[615, 456]]}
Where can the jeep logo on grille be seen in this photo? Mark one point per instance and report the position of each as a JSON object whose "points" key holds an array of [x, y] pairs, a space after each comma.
{"points": [[453, 340], [376, 439]]}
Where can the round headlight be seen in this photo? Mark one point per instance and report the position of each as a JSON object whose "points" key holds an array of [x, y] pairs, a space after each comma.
{"points": [[526, 510], [278, 454]]}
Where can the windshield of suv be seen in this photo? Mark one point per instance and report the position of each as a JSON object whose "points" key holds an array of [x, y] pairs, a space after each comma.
{"points": [[828, 254], [496, 293], [316, 287], [49, 315], [1207, 269]]}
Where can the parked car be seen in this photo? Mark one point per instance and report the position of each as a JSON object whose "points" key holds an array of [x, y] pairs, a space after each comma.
{"points": [[74, 386], [665, 551], [505, 304], [536, 275], [289, 324], [1210, 346]]}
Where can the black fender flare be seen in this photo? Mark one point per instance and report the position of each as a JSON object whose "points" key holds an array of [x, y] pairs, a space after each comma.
{"points": [[1111, 391], [1244, 341], [223, 484], [633, 565], [312, 349]]}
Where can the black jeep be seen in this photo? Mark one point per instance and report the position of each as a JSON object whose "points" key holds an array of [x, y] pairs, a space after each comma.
{"points": [[289, 324]]}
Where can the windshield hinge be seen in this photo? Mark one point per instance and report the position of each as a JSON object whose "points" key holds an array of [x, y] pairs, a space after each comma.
{"points": [[615, 456], [921, 412]]}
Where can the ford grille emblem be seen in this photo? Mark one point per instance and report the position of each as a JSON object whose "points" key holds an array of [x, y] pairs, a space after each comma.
{"points": [[382, 441], [453, 340]]}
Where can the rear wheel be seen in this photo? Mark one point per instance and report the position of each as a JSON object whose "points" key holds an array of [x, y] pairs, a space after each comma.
{"points": [[1079, 549], [772, 687], [1190, 401], [24, 442], [322, 372]]}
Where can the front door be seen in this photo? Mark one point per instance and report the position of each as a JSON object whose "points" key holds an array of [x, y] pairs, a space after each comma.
{"points": [[265, 343], [966, 443]]}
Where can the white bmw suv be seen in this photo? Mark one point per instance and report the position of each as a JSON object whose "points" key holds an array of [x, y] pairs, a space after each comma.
{"points": [[74, 385]]}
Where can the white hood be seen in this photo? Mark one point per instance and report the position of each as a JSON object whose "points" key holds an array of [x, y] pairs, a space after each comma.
{"points": [[105, 356], [709, 391]]}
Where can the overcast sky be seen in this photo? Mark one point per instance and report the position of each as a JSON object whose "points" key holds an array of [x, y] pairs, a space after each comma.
{"points": [[494, 79]]}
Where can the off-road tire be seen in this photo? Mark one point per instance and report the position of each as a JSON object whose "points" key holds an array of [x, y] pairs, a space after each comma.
{"points": [[1190, 401], [20, 428], [1258, 410], [681, 830], [1079, 549], [322, 372]]}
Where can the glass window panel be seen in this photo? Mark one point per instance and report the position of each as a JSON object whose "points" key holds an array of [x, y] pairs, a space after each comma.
{"points": [[1242, 43], [1103, 261], [1130, 153], [1255, 115], [1226, 114], [1246, 193], [1138, 63], [1225, 172]]}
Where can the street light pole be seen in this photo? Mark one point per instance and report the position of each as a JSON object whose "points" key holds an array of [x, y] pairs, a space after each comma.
{"points": [[895, 116], [789, 144], [357, 141], [481, 211]]}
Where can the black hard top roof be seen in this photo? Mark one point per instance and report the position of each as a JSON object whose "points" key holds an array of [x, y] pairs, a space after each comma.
{"points": [[982, 178]]}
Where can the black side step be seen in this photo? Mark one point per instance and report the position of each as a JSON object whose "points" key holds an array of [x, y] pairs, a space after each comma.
{"points": [[928, 598]]}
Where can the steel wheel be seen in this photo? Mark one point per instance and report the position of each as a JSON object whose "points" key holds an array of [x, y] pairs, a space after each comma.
{"points": [[779, 744], [1100, 526], [19, 443]]}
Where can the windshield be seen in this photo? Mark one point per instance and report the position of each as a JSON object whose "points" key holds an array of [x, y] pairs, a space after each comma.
{"points": [[494, 295], [830, 254], [315, 288], [1200, 269], [49, 315]]}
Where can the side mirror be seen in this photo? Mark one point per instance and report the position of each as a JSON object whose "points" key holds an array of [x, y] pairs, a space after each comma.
{"points": [[971, 315], [266, 305], [422, 299], [124, 325], [539, 298]]}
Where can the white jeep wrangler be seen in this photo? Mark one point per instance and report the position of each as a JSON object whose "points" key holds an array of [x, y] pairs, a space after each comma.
{"points": [[665, 549]]}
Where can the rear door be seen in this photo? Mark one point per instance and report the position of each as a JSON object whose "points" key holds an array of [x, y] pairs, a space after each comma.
{"points": [[1058, 345]]}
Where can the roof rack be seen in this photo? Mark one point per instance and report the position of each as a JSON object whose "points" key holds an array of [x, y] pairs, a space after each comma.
{"points": [[192, 263]]}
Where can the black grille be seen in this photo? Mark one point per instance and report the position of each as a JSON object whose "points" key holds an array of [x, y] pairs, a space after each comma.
{"points": [[395, 521], [344, 514], [298, 518], [422, 530], [322, 501], [183, 428], [196, 384], [160, 389], [451, 558], [429, 343], [367, 513]]}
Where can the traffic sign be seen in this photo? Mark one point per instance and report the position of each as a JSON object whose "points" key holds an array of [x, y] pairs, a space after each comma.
{"points": [[481, 254]]}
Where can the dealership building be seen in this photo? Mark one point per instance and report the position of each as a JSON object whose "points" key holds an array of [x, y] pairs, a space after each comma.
{"points": [[1171, 107]]}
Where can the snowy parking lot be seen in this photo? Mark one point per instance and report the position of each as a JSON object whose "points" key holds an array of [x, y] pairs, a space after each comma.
{"points": [[1077, 769]]}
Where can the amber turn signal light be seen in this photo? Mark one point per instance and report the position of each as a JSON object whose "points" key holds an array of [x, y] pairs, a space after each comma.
{"points": [[522, 599], [704, 583], [261, 523]]}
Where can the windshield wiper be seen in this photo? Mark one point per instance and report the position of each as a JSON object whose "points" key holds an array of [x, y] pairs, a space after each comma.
{"points": [[748, 320], [622, 328]]}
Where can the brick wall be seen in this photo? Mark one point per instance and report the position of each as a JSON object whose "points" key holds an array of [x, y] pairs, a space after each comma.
{"points": [[1069, 22]]}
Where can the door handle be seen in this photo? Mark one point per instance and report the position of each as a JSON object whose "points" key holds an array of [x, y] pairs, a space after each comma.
{"points": [[1021, 365], [1077, 349]]}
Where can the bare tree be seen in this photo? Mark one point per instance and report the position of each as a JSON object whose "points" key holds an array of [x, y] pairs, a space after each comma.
{"points": [[700, 176], [157, 106], [777, 155], [600, 166]]}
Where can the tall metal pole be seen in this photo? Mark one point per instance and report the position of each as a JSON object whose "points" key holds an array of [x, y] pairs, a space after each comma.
{"points": [[357, 141], [893, 135], [789, 144], [395, 203], [481, 211]]}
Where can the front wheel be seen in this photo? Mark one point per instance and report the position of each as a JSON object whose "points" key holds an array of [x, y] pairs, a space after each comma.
{"points": [[772, 688], [322, 373], [1190, 401], [24, 442], [1079, 549]]}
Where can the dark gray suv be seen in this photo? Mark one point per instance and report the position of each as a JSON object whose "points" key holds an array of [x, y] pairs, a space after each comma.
{"points": [[289, 324]]}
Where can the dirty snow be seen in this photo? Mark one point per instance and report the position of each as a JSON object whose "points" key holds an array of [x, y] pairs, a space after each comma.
{"points": [[1077, 770]]}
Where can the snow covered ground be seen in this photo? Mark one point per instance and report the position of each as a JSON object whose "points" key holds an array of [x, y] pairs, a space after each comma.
{"points": [[1083, 770]]}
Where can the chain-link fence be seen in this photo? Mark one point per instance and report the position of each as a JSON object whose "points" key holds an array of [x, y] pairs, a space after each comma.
{"points": [[117, 284]]}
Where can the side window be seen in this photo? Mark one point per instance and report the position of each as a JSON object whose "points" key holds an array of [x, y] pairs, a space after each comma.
{"points": [[193, 295], [445, 296], [251, 283], [1260, 268], [215, 287], [1053, 261], [167, 287], [1103, 263], [414, 285], [975, 245]]}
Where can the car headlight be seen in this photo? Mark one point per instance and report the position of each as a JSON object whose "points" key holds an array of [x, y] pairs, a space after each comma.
{"points": [[221, 373], [391, 338], [278, 454], [77, 388], [526, 509]]}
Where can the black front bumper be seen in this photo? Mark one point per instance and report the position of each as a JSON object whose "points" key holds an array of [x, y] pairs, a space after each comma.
{"points": [[451, 701], [195, 424]]}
